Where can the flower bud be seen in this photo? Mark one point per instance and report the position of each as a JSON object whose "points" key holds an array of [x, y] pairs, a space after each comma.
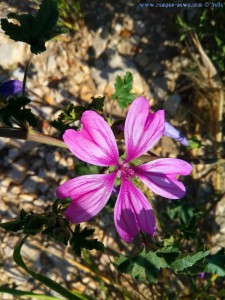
{"points": [[173, 133], [11, 87]]}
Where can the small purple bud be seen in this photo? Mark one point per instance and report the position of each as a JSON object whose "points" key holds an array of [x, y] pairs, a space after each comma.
{"points": [[173, 133], [11, 87], [202, 275]]}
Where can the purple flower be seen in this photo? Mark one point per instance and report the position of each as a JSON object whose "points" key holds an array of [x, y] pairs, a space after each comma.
{"points": [[202, 275], [11, 87], [173, 133], [96, 144]]}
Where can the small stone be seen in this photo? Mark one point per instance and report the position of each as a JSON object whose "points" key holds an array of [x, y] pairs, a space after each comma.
{"points": [[86, 280], [51, 63], [125, 34], [98, 43], [142, 59], [18, 74], [105, 220], [13, 152], [86, 92], [62, 164], [109, 90], [118, 27], [15, 190], [26, 197], [46, 111], [4, 186], [172, 104], [18, 172], [79, 286], [85, 69], [12, 53], [124, 47], [42, 173], [70, 162], [128, 23], [140, 27], [4, 142], [30, 184], [39, 202], [50, 159], [159, 86], [43, 187]]}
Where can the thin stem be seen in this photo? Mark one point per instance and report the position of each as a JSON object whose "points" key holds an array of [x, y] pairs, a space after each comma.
{"points": [[33, 136], [26, 74], [45, 139]]}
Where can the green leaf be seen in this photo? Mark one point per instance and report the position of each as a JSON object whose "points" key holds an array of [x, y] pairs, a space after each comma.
{"points": [[168, 242], [15, 32], [187, 261], [123, 88], [35, 30], [13, 226], [80, 240], [169, 254], [57, 226], [60, 203], [33, 224], [69, 114], [187, 216], [24, 294], [144, 267], [65, 202], [23, 214], [194, 143], [50, 220], [216, 263], [59, 234], [72, 113], [15, 110], [82, 168], [97, 103]]}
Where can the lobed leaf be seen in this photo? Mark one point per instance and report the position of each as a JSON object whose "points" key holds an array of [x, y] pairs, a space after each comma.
{"points": [[13, 226], [35, 30], [123, 88], [72, 113], [187, 261], [80, 241], [145, 266], [15, 111]]}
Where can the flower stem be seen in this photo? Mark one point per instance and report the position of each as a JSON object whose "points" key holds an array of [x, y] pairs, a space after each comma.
{"points": [[31, 135], [53, 285], [26, 74]]}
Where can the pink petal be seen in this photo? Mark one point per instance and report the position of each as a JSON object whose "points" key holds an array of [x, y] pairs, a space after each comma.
{"points": [[133, 212], [95, 142], [89, 195], [142, 128], [160, 176]]}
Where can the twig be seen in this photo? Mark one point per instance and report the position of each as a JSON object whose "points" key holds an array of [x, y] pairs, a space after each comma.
{"points": [[31, 135]]}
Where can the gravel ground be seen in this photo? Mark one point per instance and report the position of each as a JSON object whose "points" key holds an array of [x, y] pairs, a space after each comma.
{"points": [[113, 38]]}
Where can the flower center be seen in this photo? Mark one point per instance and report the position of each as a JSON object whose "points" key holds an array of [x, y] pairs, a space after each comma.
{"points": [[126, 170]]}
